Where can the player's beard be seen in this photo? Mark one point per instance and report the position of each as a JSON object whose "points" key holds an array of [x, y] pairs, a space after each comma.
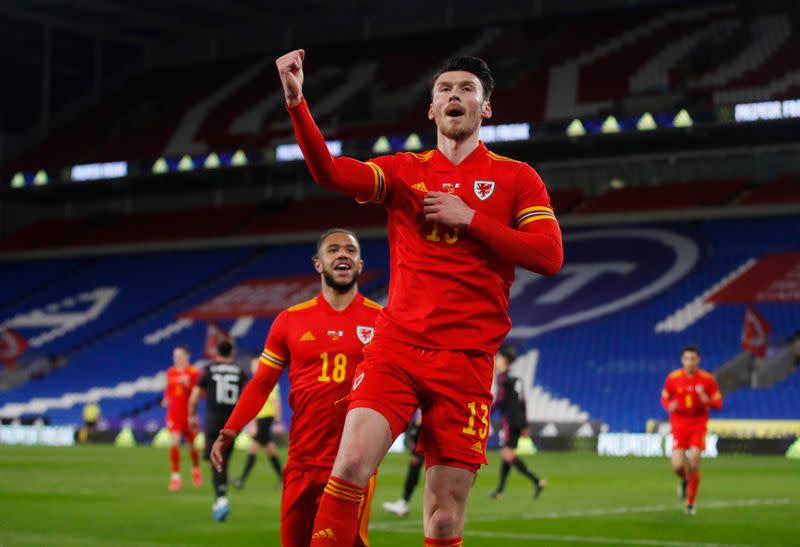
{"points": [[461, 132], [335, 285]]}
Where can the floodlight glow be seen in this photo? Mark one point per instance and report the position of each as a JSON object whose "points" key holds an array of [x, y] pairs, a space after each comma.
{"points": [[683, 119], [413, 142], [99, 171], [186, 163], [576, 129], [611, 125], [381, 146], [239, 158], [505, 132], [41, 178], [18, 181], [292, 152], [212, 161], [646, 123], [160, 167]]}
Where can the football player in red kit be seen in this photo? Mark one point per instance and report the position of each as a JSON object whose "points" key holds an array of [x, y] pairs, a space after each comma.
{"points": [[461, 219], [688, 395], [321, 343], [181, 378]]}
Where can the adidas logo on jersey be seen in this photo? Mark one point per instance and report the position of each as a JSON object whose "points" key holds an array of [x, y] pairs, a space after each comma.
{"points": [[420, 186], [327, 533], [307, 337], [477, 447]]}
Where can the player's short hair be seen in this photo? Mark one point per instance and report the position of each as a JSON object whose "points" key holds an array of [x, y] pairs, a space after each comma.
{"points": [[225, 348], [474, 65], [332, 231], [184, 348], [509, 352], [691, 349]]}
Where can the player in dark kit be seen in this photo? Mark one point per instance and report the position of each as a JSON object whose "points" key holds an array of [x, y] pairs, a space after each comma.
{"points": [[513, 411], [221, 383], [461, 219]]}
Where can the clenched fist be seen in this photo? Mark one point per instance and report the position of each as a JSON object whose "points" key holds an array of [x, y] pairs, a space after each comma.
{"points": [[290, 69]]}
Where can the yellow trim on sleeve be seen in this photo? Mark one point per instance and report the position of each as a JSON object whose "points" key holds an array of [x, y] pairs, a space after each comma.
{"points": [[535, 208], [264, 361], [535, 218], [376, 176]]}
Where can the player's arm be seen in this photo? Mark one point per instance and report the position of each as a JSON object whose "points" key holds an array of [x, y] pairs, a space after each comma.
{"points": [[713, 394], [271, 364], [669, 404], [198, 391], [534, 243], [363, 181], [194, 403]]}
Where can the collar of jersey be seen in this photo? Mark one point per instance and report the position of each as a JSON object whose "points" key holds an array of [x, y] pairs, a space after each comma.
{"points": [[442, 161]]}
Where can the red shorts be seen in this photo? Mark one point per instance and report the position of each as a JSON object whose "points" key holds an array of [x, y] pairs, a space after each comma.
{"points": [[302, 491], [180, 424], [689, 434], [452, 388]]}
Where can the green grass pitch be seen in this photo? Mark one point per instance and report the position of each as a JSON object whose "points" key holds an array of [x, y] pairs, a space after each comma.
{"points": [[101, 495]]}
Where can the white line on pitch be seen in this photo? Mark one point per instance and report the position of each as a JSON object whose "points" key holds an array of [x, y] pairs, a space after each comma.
{"points": [[576, 539], [721, 504]]}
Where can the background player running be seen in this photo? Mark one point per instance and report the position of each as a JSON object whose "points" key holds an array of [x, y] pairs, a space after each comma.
{"points": [[221, 382], [181, 378], [513, 412], [688, 394], [321, 341], [267, 419], [415, 459], [461, 218]]}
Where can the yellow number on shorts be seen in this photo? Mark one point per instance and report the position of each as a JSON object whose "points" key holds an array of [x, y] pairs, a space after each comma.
{"points": [[449, 237], [484, 429], [339, 368], [688, 401]]}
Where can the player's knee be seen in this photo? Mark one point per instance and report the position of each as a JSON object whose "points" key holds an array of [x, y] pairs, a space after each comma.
{"points": [[352, 467], [444, 522]]}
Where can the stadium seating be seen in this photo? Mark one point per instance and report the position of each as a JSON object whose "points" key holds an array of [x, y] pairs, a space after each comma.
{"points": [[575, 69], [610, 365], [154, 289], [613, 366], [666, 196], [785, 189]]}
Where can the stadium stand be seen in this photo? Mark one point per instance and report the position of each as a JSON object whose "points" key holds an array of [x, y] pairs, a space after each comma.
{"points": [[611, 378], [584, 68], [666, 196], [782, 190]]}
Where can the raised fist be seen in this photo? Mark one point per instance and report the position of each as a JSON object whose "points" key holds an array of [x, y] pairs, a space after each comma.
{"points": [[290, 69]]}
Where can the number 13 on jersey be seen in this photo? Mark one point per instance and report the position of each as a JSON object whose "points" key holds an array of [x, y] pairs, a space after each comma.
{"points": [[483, 429]]}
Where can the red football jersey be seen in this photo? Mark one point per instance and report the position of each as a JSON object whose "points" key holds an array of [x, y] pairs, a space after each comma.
{"points": [[179, 386], [322, 348], [683, 389], [447, 289]]}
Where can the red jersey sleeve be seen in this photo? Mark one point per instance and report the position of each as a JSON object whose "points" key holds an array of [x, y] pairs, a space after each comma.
{"points": [[535, 240], [666, 394], [712, 390], [365, 181], [271, 364]]}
